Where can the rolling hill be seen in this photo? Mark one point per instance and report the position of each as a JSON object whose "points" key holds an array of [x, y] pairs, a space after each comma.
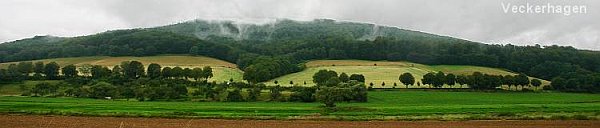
{"points": [[222, 70], [382, 71]]}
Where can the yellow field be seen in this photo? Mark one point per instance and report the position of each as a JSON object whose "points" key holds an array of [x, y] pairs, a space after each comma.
{"points": [[377, 72], [222, 70]]}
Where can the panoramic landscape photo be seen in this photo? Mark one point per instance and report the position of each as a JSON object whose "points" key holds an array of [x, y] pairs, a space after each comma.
{"points": [[299, 63]]}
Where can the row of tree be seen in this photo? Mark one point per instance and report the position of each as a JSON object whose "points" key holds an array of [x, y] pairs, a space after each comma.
{"points": [[127, 69], [477, 80]]}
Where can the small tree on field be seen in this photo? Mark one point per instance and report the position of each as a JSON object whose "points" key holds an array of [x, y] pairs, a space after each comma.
{"points": [[407, 79], [428, 79]]}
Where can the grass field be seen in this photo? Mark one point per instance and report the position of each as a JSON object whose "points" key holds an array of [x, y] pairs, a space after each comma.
{"points": [[382, 71], [382, 105], [222, 70]]}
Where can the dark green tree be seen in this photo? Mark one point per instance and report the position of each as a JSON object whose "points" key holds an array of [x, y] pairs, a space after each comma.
{"points": [[207, 72], [235, 96], [51, 70], [133, 69], [344, 77], [39, 67], [439, 79], [450, 79], [275, 93], [407, 79], [522, 80], [323, 76], [154, 71], [70, 71], [428, 79], [536, 83], [330, 95], [357, 77]]}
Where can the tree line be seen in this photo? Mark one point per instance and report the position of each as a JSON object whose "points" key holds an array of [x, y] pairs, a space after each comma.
{"points": [[476, 80]]}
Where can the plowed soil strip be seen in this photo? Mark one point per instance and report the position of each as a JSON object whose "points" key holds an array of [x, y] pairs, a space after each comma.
{"points": [[29, 121]]}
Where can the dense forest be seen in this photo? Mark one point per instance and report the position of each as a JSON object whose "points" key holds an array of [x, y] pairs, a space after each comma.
{"points": [[271, 50]]}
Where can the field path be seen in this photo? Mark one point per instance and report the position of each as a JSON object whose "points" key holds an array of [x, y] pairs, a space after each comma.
{"points": [[27, 121]]}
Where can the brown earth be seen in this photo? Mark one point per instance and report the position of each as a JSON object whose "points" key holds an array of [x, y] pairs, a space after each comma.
{"points": [[29, 121]]}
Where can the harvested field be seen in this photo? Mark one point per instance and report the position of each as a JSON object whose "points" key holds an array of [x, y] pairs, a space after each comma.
{"points": [[20, 121]]}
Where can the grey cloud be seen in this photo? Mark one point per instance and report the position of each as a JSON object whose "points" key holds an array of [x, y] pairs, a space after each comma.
{"points": [[477, 20]]}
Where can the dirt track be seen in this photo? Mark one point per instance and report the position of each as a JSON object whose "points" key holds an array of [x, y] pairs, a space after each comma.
{"points": [[19, 121]]}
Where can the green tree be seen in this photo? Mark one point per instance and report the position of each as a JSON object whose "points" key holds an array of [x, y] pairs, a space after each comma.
{"points": [[70, 71], [323, 76], [51, 70], [44, 88], [177, 72], [187, 73], [39, 67], [330, 95], [357, 77], [254, 93], [461, 80], [509, 80], [13, 74], [102, 89], [235, 96], [167, 72], [207, 72], [117, 70], [536, 82], [439, 79], [196, 73], [276, 93], [303, 94], [407, 79], [154, 71], [559, 83], [100, 72], [522, 80], [450, 79], [25, 68], [428, 79], [344, 77], [133, 69]]}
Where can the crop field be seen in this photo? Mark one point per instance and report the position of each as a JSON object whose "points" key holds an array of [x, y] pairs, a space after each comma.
{"points": [[382, 105], [222, 70], [377, 72]]}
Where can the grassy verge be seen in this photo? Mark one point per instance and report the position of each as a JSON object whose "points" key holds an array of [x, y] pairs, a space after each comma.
{"points": [[384, 105]]}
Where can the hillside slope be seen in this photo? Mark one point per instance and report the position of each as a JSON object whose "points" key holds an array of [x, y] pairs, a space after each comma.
{"points": [[222, 70], [382, 71]]}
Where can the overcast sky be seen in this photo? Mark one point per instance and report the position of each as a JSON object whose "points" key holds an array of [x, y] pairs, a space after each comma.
{"points": [[477, 20]]}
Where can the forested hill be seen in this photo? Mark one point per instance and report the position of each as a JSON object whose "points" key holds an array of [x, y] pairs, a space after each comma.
{"points": [[285, 30], [270, 50]]}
